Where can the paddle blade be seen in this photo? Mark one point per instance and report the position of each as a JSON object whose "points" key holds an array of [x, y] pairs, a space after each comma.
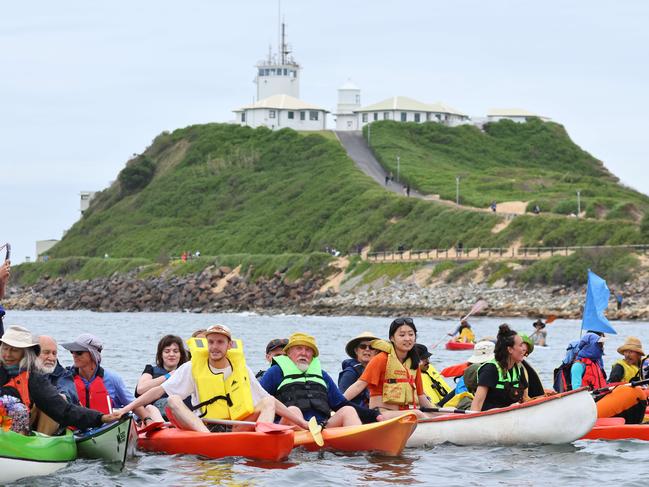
{"points": [[152, 427], [550, 319], [316, 431], [264, 427]]}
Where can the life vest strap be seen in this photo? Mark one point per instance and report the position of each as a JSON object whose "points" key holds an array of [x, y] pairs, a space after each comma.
{"points": [[213, 400]]}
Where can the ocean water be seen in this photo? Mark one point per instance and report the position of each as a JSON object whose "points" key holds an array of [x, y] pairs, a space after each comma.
{"points": [[130, 341]]}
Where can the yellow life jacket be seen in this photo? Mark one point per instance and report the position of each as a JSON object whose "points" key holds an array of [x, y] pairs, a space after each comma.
{"points": [[435, 387], [466, 336], [221, 398], [454, 402], [630, 371], [399, 380]]}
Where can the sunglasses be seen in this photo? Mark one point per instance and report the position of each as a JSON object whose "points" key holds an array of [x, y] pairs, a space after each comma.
{"points": [[364, 346], [404, 321], [77, 353]]}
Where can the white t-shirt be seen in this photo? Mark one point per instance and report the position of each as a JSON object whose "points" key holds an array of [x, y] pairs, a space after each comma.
{"points": [[182, 383]]}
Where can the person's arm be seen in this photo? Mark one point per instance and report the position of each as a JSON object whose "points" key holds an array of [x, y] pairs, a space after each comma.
{"points": [[617, 373], [346, 379], [355, 389], [148, 397], [479, 398], [425, 402], [576, 374], [4, 276], [146, 381]]}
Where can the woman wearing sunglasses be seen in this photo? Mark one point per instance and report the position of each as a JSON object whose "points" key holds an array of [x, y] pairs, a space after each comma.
{"points": [[392, 377], [361, 352]]}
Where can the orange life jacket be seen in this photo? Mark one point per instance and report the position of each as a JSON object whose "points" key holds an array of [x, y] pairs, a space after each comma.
{"points": [[95, 395], [21, 384]]}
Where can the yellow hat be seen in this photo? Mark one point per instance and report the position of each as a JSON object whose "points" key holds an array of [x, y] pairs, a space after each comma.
{"points": [[631, 343], [302, 339]]}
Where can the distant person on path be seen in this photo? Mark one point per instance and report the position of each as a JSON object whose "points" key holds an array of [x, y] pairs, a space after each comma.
{"points": [[458, 248], [387, 179], [408, 190], [391, 177], [536, 210], [493, 206], [618, 299]]}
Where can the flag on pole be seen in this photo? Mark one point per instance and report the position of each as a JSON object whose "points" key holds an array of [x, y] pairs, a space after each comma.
{"points": [[597, 295]]}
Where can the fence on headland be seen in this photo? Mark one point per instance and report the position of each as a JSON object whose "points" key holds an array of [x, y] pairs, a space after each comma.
{"points": [[522, 253]]}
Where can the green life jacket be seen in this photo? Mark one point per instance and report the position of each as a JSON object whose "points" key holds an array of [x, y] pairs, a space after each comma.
{"points": [[306, 390], [509, 381]]}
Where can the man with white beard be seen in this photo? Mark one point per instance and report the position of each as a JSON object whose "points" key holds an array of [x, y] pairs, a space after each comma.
{"points": [[297, 380], [48, 364]]}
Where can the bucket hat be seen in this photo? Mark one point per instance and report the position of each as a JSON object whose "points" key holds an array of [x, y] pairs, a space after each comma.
{"points": [[19, 337], [482, 352], [631, 343], [302, 339]]}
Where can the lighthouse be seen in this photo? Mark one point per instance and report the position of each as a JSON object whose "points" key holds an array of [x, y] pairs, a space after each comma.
{"points": [[349, 100]]}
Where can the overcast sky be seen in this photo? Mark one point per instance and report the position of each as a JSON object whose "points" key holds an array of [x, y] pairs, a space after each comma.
{"points": [[84, 85]]}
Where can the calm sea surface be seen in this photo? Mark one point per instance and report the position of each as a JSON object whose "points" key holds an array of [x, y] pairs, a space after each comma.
{"points": [[130, 342]]}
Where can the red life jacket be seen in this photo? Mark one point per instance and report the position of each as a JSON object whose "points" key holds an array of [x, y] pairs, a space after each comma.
{"points": [[593, 374], [95, 395], [21, 384]]}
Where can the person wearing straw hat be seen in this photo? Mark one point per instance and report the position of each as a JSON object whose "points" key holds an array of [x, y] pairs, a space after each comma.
{"points": [[628, 368], [298, 380], [360, 352], [19, 378], [98, 388]]}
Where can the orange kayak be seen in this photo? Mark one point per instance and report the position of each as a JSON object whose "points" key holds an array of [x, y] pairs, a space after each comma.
{"points": [[388, 437], [259, 446], [615, 429]]}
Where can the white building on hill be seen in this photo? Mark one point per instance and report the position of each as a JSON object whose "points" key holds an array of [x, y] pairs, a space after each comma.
{"points": [[282, 111], [515, 114], [404, 109], [349, 100], [278, 102]]}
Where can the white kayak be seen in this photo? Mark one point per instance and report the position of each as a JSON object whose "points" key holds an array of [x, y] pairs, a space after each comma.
{"points": [[562, 418], [113, 442]]}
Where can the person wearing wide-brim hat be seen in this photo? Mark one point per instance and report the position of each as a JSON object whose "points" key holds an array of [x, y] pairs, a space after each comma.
{"points": [[18, 353], [628, 368], [360, 352]]}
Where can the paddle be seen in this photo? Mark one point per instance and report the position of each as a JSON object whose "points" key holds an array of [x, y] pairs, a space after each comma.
{"points": [[260, 426], [8, 253], [617, 384], [478, 306], [448, 410], [316, 431]]}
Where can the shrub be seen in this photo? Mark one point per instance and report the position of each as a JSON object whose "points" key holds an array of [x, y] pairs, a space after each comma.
{"points": [[137, 174]]}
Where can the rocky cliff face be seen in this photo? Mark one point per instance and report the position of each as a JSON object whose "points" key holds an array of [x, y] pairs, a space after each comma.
{"points": [[218, 289]]}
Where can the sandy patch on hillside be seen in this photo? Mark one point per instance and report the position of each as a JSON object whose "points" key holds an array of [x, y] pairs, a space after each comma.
{"points": [[223, 282], [336, 279], [421, 276], [517, 207], [499, 227]]}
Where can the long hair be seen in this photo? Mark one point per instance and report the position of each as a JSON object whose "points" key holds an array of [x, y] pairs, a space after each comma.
{"points": [[164, 342], [412, 353], [504, 340]]}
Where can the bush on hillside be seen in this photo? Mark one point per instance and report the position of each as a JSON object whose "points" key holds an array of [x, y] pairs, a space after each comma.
{"points": [[137, 174], [644, 227]]}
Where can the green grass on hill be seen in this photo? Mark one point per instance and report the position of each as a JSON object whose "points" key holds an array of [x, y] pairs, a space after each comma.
{"points": [[534, 161], [225, 190]]}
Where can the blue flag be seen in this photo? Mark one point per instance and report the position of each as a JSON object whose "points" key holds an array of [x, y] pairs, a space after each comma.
{"points": [[597, 295]]}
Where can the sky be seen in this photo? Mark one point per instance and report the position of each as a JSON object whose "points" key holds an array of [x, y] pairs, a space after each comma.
{"points": [[85, 85]]}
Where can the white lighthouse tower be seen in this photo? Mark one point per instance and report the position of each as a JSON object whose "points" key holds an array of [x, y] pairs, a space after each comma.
{"points": [[278, 74], [349, 99]]}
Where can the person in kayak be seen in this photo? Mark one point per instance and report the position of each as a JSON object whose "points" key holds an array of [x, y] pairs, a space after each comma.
{"points": [[534, 385], [96, 387], [393, 377], [360, 352], [20, 378], [628, 368], [298, 381], [501, 381], [588, 368], [170, 355], [48, 365], [464, 333], [466, 382], [220, 384], [273, 348], [435, 387], [540, 335]]}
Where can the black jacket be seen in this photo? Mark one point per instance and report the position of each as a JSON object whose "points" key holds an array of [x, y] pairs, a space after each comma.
{"points": [[45, 396]]}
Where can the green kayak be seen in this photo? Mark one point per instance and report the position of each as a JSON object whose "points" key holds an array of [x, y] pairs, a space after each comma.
{"points": [[112, 442], [30, 456]]}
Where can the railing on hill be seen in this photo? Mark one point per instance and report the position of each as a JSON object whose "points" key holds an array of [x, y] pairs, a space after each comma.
{"points": [[525, 253]]}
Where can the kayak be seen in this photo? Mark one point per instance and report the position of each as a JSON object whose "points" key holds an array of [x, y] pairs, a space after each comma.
{"points": [[616, 429], [113, 442], [30, 456], [387, 437], [561, 418], [453, 345], [250, 444]]}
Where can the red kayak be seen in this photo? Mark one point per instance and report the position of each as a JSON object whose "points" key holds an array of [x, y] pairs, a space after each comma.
{"points": [[453, 345], [616, 429], [455, 370], [260, 446]]}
